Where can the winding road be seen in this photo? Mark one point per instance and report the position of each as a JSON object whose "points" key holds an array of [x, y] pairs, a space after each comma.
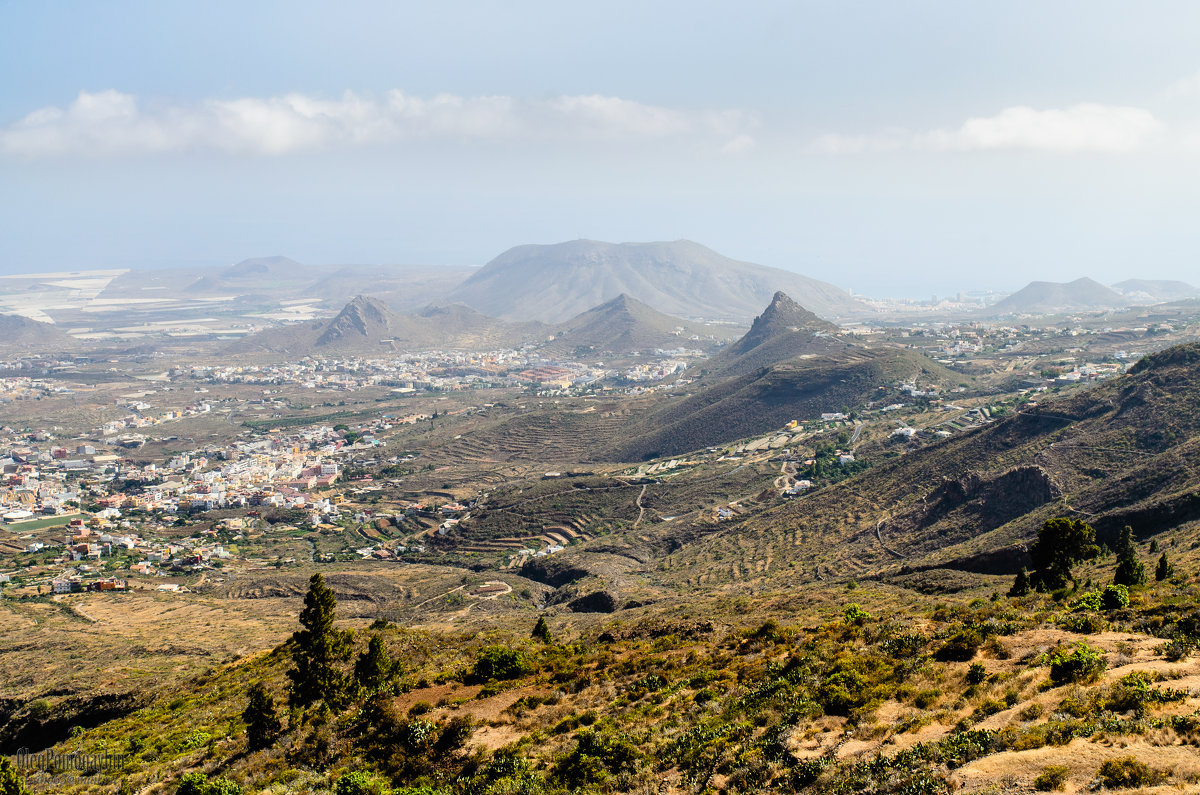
{"points": [[640, 507]]}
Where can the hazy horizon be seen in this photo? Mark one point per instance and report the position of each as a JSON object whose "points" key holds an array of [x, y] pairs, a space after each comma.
{"points": [[895, 150]]}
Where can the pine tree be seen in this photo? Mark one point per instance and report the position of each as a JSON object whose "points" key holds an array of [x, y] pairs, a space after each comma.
{"points": [[373, 667], [318, 650], [1153, 546], [1163, 570], [1061, 543], [1130, 570], [1125, 544], [541, 630], [262, 722], [1020, 586]]}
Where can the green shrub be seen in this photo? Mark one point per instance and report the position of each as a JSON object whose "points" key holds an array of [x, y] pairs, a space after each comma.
{"points": [[976, 674], [360, 783], [960, 646], [651, 683], [856, 615], [12, 781], [499, 662], [1083, 623], [1134, 693], [196, 739], [842, 691], [1127, 771], [927, 698], [200, 784], [962, 747], [493, 688], [597, 755], [905, 644], [1052, 777], [989, 706], [1177, 649], [1081, 664], [1086, 601], [769, 631], [1115, 597]]}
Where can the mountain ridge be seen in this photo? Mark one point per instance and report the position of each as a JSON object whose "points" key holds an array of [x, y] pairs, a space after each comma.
{"points": [[366, 324], [1157, 290], [682, 278], [1042, 297], [785, 330], [626, 325]]}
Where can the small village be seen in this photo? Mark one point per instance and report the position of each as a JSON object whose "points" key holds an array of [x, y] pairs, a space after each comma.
{"points": [[78, 513]]}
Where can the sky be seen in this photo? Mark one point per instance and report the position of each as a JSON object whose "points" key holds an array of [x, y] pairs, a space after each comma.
{"points": [[894, 148]]}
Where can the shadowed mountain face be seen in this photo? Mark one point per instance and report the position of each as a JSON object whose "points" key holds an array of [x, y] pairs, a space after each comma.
{"points": [[783, 331], [771, 397], [625, 325], [1051, 297], [684, 279], [367, 325], [1126, 452]]}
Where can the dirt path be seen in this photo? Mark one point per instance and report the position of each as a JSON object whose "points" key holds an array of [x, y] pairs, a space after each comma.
{"points": [[638, 503], [883, 546], [439, 596], [782, 482]]}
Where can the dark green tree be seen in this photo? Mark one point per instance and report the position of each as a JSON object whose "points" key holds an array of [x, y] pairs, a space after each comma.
{"points": [[373, 668], [11, 781], [318, 650], [1020, 586], [1163, 570], [1114, 597], [1060, 544], [262, 721], [1130, 570], [1125, 543], [541, 630], [499, 662]]}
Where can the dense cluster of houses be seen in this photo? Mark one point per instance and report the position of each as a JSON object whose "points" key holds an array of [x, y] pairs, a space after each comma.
{"points": [[429, 371]]}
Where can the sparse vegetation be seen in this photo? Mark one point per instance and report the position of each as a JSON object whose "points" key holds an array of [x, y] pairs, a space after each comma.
{"points": [[1052, 778], [1126, 772], [1080, 663]]}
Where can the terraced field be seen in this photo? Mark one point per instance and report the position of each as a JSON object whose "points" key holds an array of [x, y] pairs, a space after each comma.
{"points": [[553, 436]]}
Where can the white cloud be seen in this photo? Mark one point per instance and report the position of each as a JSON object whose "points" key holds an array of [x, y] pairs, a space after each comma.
{"points": [[1185, 88], [739, 145], [1080, 128], [110, 122]]}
